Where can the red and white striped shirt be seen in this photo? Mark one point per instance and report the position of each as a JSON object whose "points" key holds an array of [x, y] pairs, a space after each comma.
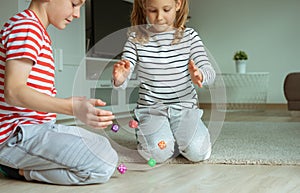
{"points": [[24, 36]]}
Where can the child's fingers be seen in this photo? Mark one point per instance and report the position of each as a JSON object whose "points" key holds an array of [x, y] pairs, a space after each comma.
{"points": [[100, 123], [191, 64], [119, 63], [122, 64], [199, 83], [127, 64], [116, 66], [99, 102]]}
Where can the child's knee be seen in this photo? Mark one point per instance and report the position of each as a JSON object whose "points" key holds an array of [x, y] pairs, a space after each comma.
{"points": [[161, 156], [103, 170], [103, 162], [196, 153]]}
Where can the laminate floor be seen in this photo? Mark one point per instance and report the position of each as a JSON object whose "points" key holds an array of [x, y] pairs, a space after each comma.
{"points": [[190, 178]]}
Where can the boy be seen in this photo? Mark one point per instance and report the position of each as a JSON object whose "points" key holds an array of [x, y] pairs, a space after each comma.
{"points": [[32, 146]]}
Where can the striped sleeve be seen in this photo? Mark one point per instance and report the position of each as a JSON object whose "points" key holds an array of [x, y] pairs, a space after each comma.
{"points": [[130, 54], [199, 55], [23, 33]]}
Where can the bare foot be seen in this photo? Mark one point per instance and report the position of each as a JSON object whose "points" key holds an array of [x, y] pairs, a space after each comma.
{"points": [[21, 172]]}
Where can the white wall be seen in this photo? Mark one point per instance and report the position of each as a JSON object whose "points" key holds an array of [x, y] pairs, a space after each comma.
{"points": [[8, 9], [267, 30], [70, 41]]}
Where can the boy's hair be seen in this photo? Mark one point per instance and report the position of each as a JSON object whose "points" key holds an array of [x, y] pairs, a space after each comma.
{"points": [[139, 21]]}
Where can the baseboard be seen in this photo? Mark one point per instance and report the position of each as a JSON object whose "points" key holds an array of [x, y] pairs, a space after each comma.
{"points": [[267, 106], [282, 106]]}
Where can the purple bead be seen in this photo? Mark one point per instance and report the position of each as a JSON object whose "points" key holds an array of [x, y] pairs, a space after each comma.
{"points": [[115, 128], [122, 168]]}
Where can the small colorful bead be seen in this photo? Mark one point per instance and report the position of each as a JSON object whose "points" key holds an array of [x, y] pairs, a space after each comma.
{"points": [[133, 124], [115, 128], [122, 168], [162, 144], [151, 162]]}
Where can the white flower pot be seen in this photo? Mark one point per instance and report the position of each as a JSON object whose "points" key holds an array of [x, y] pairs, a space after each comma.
{"points": [[240, 66]]}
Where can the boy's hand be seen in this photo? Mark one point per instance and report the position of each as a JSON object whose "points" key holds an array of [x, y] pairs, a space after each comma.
{"points": [[85, 110], [120, 72], [196, 75]]}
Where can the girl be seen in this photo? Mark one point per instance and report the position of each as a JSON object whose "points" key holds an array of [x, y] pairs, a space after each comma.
{"points": [[32, 146], [169, 58]]}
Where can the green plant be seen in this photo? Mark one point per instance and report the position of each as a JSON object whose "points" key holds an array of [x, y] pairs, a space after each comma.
{"points": [[240, 55]]}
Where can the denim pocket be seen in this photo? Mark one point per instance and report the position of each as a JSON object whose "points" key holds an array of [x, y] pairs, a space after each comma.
{"points": [[16, 138]]}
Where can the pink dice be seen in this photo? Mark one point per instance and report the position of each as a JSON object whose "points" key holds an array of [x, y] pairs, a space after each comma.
{"points": [[133, 124], [122, 168]]}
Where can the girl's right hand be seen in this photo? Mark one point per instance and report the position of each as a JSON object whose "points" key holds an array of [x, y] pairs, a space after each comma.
{"points": [[121, 71]]}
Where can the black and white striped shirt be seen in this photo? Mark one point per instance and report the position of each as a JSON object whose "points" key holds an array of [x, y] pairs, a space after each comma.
{"points": [[162, 68]]}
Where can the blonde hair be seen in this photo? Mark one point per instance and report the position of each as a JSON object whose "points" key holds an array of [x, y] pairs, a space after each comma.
{"points": [[139, 21]]}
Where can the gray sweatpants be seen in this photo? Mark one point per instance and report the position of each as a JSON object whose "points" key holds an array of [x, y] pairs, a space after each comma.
{"points": [[60, 154], [182, 129]]}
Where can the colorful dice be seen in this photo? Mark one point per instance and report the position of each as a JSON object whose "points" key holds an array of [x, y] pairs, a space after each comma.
{"points": [[151, 162], [162, 144], [115, 128], [133, 124], [122, 168]]}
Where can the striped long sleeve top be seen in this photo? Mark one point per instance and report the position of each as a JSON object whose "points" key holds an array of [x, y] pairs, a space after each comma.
{"points": [[162, 68]]}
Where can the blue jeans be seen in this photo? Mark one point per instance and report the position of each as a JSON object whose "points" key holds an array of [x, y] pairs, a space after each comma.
{"points": [[60, 154], [178, 128]]}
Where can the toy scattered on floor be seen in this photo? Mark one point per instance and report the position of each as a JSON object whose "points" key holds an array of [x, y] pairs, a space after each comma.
{"points": [[122, 168], [162, 144], [133, 124], [115, 128], [151, 162]]}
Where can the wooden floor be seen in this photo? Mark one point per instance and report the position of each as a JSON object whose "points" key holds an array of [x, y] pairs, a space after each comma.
{"points": [[191, 178]]}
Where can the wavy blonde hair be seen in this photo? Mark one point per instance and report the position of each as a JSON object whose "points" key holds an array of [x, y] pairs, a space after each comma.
{"points": [[139, 21]]}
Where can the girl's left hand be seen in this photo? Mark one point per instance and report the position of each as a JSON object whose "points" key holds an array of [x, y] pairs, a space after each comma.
{"points": [[196, 75]]}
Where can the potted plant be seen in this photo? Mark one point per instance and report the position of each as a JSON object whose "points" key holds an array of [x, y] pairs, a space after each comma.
{"points": [[240, 58]]}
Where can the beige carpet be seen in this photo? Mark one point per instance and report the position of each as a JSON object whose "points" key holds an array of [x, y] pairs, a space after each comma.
{"points": [[264, 143]]}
